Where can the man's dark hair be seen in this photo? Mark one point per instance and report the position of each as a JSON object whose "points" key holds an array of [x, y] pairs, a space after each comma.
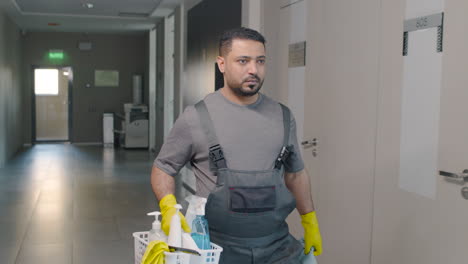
{"points": [[225, 42]]}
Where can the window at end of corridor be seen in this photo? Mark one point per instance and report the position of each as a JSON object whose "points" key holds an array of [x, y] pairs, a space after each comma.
{"points": [[46, 81]]}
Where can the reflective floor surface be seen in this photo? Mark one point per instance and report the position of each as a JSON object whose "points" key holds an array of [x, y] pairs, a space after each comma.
{"points": [[62, 204]]}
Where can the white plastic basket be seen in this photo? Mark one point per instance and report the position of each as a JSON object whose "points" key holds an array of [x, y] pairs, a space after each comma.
{"points": [[210, 256], [141, 242]]}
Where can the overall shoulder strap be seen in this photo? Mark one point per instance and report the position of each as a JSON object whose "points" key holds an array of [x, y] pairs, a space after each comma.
{"points": [[286, 149], [286, 124], [215, 154]]}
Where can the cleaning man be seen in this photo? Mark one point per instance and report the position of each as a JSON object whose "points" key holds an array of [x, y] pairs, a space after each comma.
{"points": [[243, 149]]}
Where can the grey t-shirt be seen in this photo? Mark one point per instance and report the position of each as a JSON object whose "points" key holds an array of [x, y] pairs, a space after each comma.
{"points": [[251, 137]]}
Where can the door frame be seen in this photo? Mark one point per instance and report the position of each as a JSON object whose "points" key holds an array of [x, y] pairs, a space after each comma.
{"points": [[33, 104], [169, 73]]}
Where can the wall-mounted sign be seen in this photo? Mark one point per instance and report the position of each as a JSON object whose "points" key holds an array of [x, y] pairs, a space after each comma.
{"points": [[85, 45], [106, 78], [297, 54], [55, 54], [424, 23]]}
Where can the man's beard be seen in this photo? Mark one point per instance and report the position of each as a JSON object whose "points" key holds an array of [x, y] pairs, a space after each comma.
{"points": [[238, 89]]}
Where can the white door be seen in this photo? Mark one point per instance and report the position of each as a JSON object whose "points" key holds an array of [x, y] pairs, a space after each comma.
{"points": [[412, 225], [341, 113], [292, 31]]}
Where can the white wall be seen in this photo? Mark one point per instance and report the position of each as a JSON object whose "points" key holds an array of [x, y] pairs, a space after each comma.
{"points": [[11, 97], [276, 76], [252, 14]]}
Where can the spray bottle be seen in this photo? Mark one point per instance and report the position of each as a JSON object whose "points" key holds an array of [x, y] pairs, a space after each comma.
{"points": [[156, 233], [175, 231], [200, 231], [191, 213]]}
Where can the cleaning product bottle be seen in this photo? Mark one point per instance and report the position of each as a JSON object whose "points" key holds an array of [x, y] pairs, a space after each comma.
{"points": [[200, 231], [190, 213], [156, 233], [175, 231]]}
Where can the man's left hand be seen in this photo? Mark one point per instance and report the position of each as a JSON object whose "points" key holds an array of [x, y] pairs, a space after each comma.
{"points": [[312, 237]]}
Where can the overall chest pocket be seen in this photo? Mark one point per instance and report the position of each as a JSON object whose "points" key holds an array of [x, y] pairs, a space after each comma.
{"points": [[252, 199]]}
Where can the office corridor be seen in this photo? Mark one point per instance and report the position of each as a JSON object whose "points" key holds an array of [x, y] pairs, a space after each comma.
{"points": [[66, 204]]}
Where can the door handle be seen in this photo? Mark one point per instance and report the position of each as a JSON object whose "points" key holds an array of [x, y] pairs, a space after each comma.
{"points": [[462, 176], [309, 143], [459, 179]]}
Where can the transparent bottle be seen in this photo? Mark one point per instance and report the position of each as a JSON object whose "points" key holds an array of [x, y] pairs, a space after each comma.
{"points": [[200, 230]]}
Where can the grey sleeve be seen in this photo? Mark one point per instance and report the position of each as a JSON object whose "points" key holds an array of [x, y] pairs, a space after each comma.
{"points": [[177, 148], [294, 163]]}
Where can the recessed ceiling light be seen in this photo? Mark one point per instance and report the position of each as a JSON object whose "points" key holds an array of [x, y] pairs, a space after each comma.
{"points": [[88, 5]]}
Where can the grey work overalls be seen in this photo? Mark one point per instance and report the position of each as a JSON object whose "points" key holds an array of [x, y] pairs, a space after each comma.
{"points": [[246, 211]]}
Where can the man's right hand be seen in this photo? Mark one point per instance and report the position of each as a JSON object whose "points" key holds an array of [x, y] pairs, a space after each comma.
{"points": [[167, 211]]}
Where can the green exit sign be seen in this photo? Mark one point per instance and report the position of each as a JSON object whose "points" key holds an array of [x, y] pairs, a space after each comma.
{"points": [[56, 54]]}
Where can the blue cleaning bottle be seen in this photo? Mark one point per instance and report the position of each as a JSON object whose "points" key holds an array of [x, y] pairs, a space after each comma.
{"points": [[200, 230]]}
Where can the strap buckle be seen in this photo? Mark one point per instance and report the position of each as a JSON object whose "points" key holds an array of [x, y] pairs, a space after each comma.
{"points": [[216, 157], [216, 153], [283, 156]]}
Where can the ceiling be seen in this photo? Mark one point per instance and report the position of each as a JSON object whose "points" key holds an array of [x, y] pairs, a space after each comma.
{"points": [[76, 16]]}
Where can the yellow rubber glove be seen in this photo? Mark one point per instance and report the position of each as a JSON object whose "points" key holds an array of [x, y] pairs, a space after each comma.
{"points": [[312, 236], [167, 211], [154, 253]]}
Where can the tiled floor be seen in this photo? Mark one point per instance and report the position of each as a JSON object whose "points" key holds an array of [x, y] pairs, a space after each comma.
{"points": [[66, 204]]}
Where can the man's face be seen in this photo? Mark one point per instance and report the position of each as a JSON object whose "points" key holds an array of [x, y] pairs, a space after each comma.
{"points": [[244, 67]]}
